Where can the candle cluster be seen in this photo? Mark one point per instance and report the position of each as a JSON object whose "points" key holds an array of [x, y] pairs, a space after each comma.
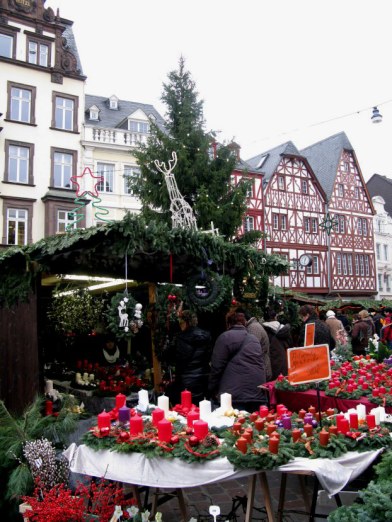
{"points": [[111, 379]]}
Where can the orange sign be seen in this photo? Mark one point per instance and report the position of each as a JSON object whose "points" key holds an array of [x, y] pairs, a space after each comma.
{"points": [[308, 364], [310, 329]]}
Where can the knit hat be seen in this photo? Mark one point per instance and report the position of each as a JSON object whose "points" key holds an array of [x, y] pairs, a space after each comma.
{"points": [[330, 313]]}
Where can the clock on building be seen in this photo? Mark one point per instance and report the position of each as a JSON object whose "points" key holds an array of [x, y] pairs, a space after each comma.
{"points": [[306, 260]]}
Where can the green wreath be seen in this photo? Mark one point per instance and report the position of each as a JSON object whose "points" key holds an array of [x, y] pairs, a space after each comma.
{"points": [[207, 291], [127, 303]]}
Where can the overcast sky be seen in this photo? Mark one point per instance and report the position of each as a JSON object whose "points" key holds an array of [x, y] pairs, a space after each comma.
{"points": [[268, 71]]}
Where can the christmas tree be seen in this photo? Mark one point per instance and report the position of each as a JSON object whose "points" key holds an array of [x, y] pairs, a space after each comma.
{"points": [[203, 169]]}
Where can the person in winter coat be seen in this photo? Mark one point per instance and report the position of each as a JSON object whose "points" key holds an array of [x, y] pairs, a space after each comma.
{"points": [[237, 366], [280, 339], [254, 327], [322, 335], [362, 331], [192, 359], [333, 323]]}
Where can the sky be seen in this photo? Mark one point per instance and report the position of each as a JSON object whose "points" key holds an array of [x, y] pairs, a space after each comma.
{"points": [[268, 71]]}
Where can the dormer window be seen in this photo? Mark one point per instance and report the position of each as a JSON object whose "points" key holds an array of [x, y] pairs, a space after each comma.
{"points": [[94, 113], [113, 102], [141, 127]]}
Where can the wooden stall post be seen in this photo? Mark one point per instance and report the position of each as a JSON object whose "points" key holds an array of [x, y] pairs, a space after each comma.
{"points": [[152, 297]]}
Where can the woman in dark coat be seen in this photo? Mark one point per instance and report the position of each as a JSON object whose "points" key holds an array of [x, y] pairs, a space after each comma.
{"points": [[192, 359], [237, 366], [280, 339], [322, 334]]}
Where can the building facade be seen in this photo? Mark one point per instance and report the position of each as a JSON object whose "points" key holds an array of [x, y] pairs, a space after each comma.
{"points": [[42, 102]]}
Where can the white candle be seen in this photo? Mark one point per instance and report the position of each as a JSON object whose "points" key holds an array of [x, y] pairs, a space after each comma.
{"points": [[382, 413], [204, 409], [225, 401], [91, 377], [376, 413], [163, 403], [361, 410], [143, 398], [49, 387]]}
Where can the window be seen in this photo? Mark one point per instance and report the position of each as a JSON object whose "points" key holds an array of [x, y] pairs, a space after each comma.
{"points": [[340, 224], [21, 103], [281, 183], [279, 221], [350, 264], [65, 112], [314, 225], [341, 190], [249, 190], [304, 186], [378, 251], [307, 224], [7, 43], [283, 222], [275, 221], [364, 227], [314, 267], [113, 103], [107, 172], [356, 192], [38, 53], [63, 169], [356, 264], [359, 226], [367, 267], [65, 221], [379, 282], [141, 127], [388, 283], [94, 113], [386, 252], [130, 174], [17, 226], [339, 263], [344, 263], [362, 264], [249, 223], [18, 162], [380, 226], [346, 166]]}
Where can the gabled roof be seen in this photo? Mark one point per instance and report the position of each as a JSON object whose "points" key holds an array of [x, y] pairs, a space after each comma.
{"points": [[324, 157], [267, 161], [381, 186], [71, 44], [112, 118]]}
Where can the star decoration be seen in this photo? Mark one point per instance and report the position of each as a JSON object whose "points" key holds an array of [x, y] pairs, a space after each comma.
{"points": [[329, 223], [94, 192]]}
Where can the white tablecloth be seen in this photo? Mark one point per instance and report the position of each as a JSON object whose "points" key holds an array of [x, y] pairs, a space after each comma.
{"points": [[135, 468]]}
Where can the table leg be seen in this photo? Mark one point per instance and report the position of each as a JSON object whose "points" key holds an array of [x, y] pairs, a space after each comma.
{"points": [[282, 494], [251, 498], [182, 504], [267, 496]]}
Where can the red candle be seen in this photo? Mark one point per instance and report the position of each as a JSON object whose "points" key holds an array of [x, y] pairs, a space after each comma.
{"points": [[120, 400], [164, 430], [186, 399], [242, 444], [281, 409], [333, 430], [323, 437], [78, 364], [365, 386], [344, 426], [157, 415], [371, 421], [136, 425], [200, 429], [263, 410], [354, 420], [270, 428], [48, 408], [350, 388], [382, 390], [273, 445], [103, 420], [330, 411], [192, 416], [308, 429], [375, 392], [253, 416], [259, 424], [296, 434], [301, 413], [102, 385], [237, 426], [312, 410], [246, 435]]}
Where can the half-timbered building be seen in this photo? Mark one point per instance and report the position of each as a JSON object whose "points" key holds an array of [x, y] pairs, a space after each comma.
{"points": [[294, 206], [350, 211]]}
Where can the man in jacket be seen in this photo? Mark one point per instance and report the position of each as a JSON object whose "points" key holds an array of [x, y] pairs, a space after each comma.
{"points": [[333, 323], [362, 331], [280, 340], [237, 366]]}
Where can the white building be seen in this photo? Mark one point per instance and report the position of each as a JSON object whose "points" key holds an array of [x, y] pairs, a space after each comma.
{"points": [[383, 248]]}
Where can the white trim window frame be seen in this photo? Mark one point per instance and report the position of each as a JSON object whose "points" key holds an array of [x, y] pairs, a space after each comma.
{"points": [[339, 263], [6, 45], [106, 171], [62, 169], [38, 53], [21, 104], [249, 223], [130, 173], [18, 164], [350, 264], [17, 226], [307, 224], [367, 266], [64, 113], [66, 220]]}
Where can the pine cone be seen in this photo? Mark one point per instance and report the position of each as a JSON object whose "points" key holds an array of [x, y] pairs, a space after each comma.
{"points": [[210, 440]]}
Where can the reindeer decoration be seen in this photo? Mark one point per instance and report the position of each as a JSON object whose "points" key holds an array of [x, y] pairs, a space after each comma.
{"points": [[182, 213]]}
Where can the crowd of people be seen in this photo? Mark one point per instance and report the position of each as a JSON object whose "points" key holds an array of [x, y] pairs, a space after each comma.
{"points": [[251, 352]]}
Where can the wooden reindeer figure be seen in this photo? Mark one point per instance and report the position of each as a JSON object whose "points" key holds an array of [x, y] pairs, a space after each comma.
{"points": [[182, 213]]}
